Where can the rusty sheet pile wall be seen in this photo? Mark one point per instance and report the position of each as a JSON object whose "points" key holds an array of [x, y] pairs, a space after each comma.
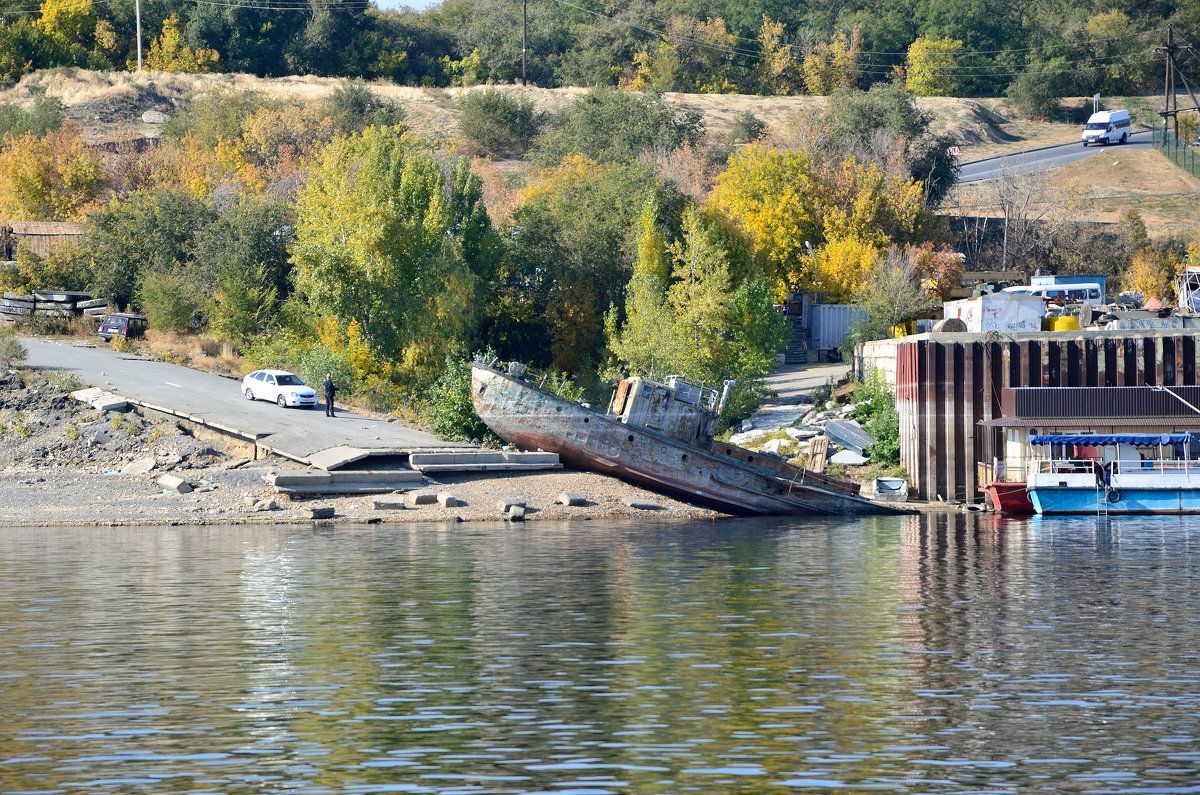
{"points": [[946, 384]]}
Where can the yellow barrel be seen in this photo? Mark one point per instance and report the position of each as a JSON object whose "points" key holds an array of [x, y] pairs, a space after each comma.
{"points": [[1063, 323]]}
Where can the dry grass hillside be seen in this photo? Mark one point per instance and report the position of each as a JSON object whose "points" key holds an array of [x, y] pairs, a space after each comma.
{"points": [[109, 105]]}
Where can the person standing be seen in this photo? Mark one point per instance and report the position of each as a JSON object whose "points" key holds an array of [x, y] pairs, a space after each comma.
{"points": [[329, 391]]}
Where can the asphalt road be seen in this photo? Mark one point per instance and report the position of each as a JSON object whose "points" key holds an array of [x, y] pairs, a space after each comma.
{"points": [[1043, 159], [296, 433]]}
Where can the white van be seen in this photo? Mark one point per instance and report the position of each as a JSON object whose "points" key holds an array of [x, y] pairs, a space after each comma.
{"points": [[1107, 127], [1069, 293]]}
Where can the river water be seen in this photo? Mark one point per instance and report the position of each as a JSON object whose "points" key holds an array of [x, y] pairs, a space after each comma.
{"points": [[954, 653]]}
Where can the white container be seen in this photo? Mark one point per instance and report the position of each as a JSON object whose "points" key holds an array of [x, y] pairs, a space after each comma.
{"points": [[1009, 312]]}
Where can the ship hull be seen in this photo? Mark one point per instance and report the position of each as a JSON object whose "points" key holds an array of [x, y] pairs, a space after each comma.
{"points": [[725, 478]]}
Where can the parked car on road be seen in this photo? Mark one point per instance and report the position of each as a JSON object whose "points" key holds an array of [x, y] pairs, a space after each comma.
{"points": [[120, 324], [280, 386]]}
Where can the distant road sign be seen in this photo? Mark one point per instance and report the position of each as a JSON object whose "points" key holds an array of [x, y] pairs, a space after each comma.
{"points": [[953, 151]]}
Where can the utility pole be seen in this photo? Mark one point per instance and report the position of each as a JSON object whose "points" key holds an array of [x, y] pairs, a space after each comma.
{"points": [[1170, 101], [137, 5], [524, 36]]}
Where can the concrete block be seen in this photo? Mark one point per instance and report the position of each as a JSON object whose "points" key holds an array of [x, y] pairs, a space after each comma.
{"points": [[643, 505], [304, 478], [388, 502], [516, 513], [320, 512], [572, 498], [447, 500], [422, 498], [531, 458], [177, 485], [266, 505], [87, 395], [375, 476], [505, 504], [110, 403]]}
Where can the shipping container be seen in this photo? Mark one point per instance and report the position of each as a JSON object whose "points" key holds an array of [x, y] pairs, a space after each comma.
{"points": [[829, 324]]}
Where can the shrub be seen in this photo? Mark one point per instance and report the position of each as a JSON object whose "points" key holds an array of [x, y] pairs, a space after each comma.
{"points": [[1036, 91], [453, 412], [354, 107], [11, 349], [492, 122], [318, 360], [876, 412], [169, 301], [46, 114], [62, 381], [747, 127]]}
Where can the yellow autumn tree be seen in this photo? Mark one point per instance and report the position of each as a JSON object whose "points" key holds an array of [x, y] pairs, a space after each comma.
{"points": [[768, 193], [68, 21], [843, 266], [777, 68], [834, 64], [929, 67], [1150, 274], [53, 177], [169, 54]]}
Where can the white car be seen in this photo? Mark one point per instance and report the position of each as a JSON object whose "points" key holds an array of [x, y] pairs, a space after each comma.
{"points": [[283, 387]]}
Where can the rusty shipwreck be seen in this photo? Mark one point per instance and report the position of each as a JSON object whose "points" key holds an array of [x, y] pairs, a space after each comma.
{"points": [[660, 437]]}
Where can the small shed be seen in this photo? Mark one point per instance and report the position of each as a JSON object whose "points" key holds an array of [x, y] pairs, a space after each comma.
{"points": [[43, 237]]}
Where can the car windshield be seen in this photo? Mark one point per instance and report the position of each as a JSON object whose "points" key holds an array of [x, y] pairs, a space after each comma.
{"points": [[288, 380], [1096, 125]]}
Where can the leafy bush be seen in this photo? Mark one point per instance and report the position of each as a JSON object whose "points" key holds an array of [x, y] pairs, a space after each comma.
{"points": [[318, 360], [62, 381], [453, 413], [875, 410], [1037, 90], [354, 107], [169, 301], [747, 127], [495, 123], [46, 114], [11, 350], [614, 126]]}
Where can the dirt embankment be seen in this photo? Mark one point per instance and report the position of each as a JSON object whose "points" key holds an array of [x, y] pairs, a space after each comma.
{"points": [[62, 462]]}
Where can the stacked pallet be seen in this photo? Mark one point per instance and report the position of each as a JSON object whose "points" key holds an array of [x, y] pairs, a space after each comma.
{"points": [[17, 307]]}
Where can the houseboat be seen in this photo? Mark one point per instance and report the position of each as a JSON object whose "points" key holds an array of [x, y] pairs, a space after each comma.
{"points": [[1114, 473]]}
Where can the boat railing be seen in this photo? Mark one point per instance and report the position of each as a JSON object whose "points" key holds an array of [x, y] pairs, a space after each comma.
{"points": [[1131, 465], [1002, 470]]}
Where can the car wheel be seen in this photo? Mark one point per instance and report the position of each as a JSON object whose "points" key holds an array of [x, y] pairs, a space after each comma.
{"points": [[1085, 144], [282, 403], [249, 393], [1124, 137]]}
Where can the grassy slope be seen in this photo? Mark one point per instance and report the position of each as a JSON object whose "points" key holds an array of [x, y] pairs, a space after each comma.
{"points": [[109, 105]]}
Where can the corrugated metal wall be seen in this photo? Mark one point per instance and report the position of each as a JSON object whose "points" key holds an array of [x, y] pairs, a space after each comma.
{"points": [[947, 383]]}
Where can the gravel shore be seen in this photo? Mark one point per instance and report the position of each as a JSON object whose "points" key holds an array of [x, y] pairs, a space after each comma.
{"points": [[62, 463]]}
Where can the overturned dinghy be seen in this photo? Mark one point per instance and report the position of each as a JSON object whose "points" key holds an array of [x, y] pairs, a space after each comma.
{"points": [[660, 437]]}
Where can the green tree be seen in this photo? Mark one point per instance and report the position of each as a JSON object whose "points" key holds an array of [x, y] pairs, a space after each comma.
{"points": [[149, 232], [44, 115], [1037, 90], [170, 299], [385, 242]]}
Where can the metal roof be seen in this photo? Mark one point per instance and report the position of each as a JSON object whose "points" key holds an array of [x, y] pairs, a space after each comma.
{"points": [[1101, 402]]}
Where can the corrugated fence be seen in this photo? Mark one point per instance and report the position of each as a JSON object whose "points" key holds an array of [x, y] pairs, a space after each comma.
{"points": [[946, 384]]}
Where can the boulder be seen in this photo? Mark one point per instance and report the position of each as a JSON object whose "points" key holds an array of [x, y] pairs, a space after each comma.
{"points": [[139, 467], [266, 505], [154, 117], [516, 513]]}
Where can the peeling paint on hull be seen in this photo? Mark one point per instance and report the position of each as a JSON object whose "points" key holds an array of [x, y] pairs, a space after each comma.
{"points": [[725, 478]]}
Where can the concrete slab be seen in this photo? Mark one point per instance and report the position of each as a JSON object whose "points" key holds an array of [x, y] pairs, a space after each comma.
{"points": [[339, 456], [572, 498]]}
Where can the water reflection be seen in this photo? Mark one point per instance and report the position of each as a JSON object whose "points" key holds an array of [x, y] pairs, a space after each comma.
{"points": [[922, 654]]}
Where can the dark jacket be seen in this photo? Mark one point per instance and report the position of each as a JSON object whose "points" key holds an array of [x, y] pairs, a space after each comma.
{"points": [[329, 389]]}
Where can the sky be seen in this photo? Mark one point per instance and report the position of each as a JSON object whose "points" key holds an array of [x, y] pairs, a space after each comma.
{"points": [[419, 5]]}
